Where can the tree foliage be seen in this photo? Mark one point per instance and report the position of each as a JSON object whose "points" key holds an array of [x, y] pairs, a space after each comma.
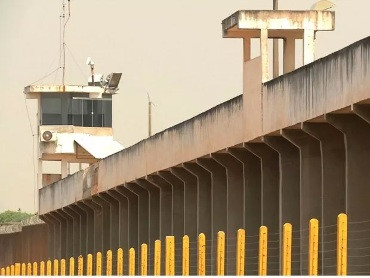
{"points": [[13, 216]]}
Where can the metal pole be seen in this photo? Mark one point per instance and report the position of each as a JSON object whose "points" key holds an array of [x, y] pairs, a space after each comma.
{"points": [[276, 47], [149, 117]]}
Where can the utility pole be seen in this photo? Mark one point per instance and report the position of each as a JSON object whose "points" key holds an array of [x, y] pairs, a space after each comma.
{"points": [[150, 103], [276, 47]]}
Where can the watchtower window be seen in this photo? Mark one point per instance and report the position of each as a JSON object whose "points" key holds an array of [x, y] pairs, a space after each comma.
{"points": [[66, 109]]}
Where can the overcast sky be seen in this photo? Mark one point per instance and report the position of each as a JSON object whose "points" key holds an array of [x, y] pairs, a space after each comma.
{"points": [[172, 49]]}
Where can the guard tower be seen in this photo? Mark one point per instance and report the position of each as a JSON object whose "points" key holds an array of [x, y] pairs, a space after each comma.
{"points": [[74, 123], [287, 25]]}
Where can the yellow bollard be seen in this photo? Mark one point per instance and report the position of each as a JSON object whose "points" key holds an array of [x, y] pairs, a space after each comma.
{"points": [[71, 266], [220, 253], [48, 268], [7, 271], [42, 268], [313, 247], [80, 266], [119, 262], [109, 263], [185, 256], [342, 227], [56, 268], [23, 269], [29, 269], [98, 264], [157, 257], [201, 254], [34, 269], [287, 250], [240, 252], [12, 270], [89, 265], [262, 253], [17, 270], [170, 255], [131, 262], [62, 267], [2, 271], [144, 259]]}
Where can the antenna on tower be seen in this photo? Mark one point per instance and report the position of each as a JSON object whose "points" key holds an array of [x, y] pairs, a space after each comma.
{"points": [[63, 42]]}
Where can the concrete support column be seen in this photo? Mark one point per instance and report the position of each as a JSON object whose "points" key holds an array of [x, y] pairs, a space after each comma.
{"points": [[246, 49], [96, 212], [64, 168], [114, 220], [153, 218], [204, 188], [178, 210], [165, 205], [142, 216], [252, 203], [133, 220], [143, 212], [357, 134], [289, 192], [84, 232], [133, 214], [154, 209], [289, 54], [219, 193], [178, 213], [191, 204], [235, 203], [60, 235], [218, 200], [270, 199], [51, 232], [334, 184], [68, 227], [311, 185], [177, 202], [76, 227], [264, 55], [308, 46], [105, 214], [123, 219], [122, 225]]}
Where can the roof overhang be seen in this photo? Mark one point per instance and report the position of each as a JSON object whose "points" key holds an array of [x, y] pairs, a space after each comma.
{"points": [[276, 21]]}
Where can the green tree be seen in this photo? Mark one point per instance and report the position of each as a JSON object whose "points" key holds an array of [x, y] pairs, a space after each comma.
{"points": [[13, 216]]}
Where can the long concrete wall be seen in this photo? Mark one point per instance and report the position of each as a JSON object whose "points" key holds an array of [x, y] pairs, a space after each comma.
{"points": [[24, 242], [214, 173]]}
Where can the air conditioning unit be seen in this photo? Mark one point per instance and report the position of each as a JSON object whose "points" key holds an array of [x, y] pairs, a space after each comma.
{"points": [[48, 136]]}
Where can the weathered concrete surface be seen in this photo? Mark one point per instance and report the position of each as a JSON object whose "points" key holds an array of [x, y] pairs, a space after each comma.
{"points": [[213, 130], [26, 241], [288, 150], [330, 84], [287, 25], [278, 20]]}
